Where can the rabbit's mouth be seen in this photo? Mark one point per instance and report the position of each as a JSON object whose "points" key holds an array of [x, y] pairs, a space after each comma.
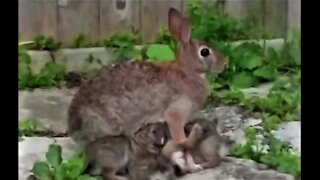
{"points": [[220, 70], [217, 70], [219, 67]]}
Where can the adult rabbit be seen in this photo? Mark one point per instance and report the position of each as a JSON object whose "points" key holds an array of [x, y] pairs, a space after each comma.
{"points": [[123, 97]]}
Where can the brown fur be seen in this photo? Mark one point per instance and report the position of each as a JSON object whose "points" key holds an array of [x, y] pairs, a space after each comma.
{"points": [[111, 154], [123, 97], [159, 168], [147, 161], [108, 155]]}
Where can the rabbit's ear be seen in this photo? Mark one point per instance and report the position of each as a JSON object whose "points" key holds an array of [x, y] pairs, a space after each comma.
{"points": [[179, 26], [174, 20], [185, 31]]}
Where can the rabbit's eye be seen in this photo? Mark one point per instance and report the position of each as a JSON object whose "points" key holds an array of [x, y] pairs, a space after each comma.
{"points": [[204, 52]]}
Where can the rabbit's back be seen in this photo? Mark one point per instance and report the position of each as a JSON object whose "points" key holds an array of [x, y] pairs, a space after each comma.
{"points": [[122, 97]]}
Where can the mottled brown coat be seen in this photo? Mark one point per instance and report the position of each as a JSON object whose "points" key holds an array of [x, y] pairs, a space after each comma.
{"points": [[121, 98]]}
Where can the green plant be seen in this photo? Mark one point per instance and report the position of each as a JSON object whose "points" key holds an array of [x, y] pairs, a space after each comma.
{"points": [[55, 168], [210, 24], [123, 45], [25, 73], [159, 52], [50, 75], [281, 104], [45, 43], [28, 128], [290, 55], [270, 151], [283, 99], [164, 37], [82, 41], [249, 63]]}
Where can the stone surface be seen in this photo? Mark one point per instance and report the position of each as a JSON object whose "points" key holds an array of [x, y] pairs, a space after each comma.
{"points": [[48, 107], [261, 91], [231, 122], [290, 132], [238, 169], [34, 148], [74, 59]]}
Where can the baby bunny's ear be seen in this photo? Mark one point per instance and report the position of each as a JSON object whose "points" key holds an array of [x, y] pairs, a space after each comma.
{"points": [[179, 26]]}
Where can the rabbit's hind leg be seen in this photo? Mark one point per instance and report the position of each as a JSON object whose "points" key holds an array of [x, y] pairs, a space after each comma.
{"points": [[191, 165], [176, 116]]}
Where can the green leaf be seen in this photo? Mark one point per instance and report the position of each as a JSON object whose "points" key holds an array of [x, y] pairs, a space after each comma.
{"points": [[266, 72], [288, 163], [136, 54], [271, 122], [53, 155], [200, 33], [267, 159], [27, 125], [41, 170], [272, 55], [243, 80], [250, 134], [275, 144], [76, 165], [87, 177], [24, 71], [232, 95], [60, 172], [160, 52], [250, 61], [28, 128]]}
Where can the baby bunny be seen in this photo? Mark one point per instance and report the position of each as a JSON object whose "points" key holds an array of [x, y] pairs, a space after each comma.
{"points": [[209, 151], [121, 98], [140, 155]]}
